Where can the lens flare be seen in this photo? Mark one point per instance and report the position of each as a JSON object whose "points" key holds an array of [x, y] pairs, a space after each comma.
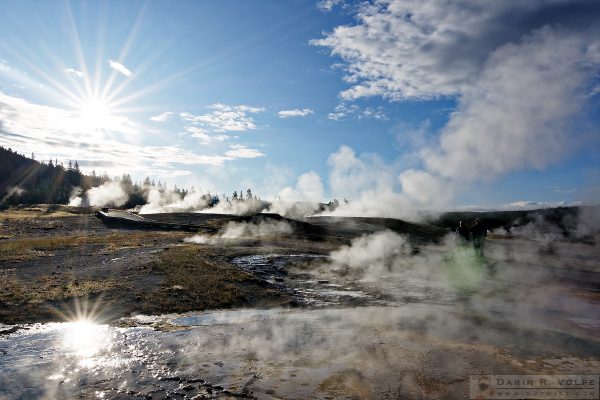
{"points": [[85, 334], [85, 339]]}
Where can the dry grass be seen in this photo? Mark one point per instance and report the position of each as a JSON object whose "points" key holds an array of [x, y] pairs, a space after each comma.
{"points": [[30, 248], [44, 211], [199, 278], [50, 288], [12, 290], [53, 287]]}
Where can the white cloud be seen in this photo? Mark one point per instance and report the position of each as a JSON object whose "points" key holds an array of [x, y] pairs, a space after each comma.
{"points": [[51, 132], [162, 117], [345, 110], [74, 72], [226, 118], [522, 72], [342, 111], [169, 155], [414, 49], [296, 112], [117, 66], [204, 137], [239, 151], [533, 205], [162, 173], [518, 113], [327, 5]]}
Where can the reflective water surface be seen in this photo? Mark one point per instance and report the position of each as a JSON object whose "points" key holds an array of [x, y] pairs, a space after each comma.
{"points": [[409, 338]]}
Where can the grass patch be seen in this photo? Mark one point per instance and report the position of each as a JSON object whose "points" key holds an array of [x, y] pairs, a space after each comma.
{"points": [[50, 288], [45, 211], [30, 248], [12, 290], [53, 287], [200, 278]]}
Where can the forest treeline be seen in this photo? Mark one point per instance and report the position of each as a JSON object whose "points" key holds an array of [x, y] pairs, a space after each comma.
{"points": [[25, 180]]}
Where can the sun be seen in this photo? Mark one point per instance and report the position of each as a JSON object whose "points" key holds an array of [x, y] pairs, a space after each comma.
{"points": [[94, 113]]}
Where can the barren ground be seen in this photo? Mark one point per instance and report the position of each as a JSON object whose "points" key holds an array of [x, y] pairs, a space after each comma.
{"points": [[271, 319]]}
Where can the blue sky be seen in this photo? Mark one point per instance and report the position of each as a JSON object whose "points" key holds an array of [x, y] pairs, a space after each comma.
{"points": [[226, 95]]}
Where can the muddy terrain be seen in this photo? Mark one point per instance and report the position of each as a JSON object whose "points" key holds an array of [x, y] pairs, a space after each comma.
{"points": [[346, 308]]}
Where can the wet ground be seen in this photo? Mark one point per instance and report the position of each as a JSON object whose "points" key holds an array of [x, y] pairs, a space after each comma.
{"points": [[384, 316], [384, 334], [307, 290]]}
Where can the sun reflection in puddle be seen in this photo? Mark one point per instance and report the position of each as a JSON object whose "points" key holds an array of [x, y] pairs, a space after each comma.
{"points": [[86, 339]]}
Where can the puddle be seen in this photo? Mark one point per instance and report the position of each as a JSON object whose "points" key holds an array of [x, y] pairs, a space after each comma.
{"points": [[256, 353], [308, 290]]}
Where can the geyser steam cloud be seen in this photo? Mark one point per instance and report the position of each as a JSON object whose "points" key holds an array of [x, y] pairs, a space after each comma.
{"points": [[108, 194], [246, 230]]}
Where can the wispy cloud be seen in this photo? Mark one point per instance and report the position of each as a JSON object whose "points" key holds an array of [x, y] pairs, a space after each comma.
{"points": [[531, 205], [296, 112], [204, 137], [226, 118], [327, 5], [559, 189], [117, 66], [162, 117], [51, 132], [74, 72], [240, 151], [346, 110]]}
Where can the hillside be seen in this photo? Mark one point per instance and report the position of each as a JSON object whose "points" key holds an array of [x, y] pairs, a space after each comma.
{"points": [[25, 180]]}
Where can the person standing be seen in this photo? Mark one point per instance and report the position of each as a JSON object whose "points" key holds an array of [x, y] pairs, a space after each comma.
{"points": [[479, 233], [463, 232]]}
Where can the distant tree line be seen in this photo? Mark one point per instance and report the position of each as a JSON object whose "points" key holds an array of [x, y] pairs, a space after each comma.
{"points": [[25, 180]]}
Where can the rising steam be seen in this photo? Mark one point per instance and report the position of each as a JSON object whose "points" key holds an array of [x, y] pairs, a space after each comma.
{"points": [[246, 230], [109, 194]]}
